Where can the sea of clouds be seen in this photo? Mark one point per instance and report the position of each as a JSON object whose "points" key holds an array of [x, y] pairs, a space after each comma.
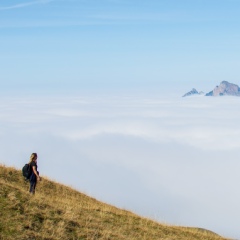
{"points": [[172, 159]]}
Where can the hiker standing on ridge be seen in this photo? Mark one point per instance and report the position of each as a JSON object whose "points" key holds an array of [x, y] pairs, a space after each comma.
{"points": [[35, 174]]}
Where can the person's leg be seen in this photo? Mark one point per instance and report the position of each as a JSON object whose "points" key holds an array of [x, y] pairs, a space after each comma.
{"points": [[32, 187]]}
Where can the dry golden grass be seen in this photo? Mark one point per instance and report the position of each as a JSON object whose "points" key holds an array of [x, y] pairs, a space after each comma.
{"points": [[60, 212]]}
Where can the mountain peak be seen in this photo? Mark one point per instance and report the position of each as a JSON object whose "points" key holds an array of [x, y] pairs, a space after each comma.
{"points": [[225, 88], [192, 92]]}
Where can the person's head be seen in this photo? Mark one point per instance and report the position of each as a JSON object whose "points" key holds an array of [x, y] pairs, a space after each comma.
{"points": [[33, 157]]}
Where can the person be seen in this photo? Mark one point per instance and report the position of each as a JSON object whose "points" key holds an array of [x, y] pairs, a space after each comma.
{"points": [[35, 174]]}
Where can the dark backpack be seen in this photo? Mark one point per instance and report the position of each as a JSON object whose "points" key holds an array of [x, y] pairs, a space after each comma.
{"points": [[27, 171]]}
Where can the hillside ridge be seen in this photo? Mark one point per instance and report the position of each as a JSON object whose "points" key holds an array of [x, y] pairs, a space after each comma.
{"points": [[60, 212]]}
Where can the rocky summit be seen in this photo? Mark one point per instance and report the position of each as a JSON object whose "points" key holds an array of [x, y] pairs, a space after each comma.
{"points": [[192, 92], [225, 88]]}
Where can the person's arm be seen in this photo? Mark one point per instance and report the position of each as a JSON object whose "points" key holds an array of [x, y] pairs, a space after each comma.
{"points": [[35, 172]]}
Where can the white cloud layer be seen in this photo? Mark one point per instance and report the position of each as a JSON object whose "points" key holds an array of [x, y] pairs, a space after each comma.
{"points": [[173, 159]]}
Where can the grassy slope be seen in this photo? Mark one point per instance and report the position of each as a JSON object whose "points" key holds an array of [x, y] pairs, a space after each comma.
{"points": [[59, 212]]}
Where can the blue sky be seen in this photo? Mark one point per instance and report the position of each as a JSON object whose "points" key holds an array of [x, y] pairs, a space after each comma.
{"points": [[118, 44]]}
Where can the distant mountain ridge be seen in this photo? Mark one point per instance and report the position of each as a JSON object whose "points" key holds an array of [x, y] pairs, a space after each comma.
{"points": [[193, 92], [224, 88]]}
